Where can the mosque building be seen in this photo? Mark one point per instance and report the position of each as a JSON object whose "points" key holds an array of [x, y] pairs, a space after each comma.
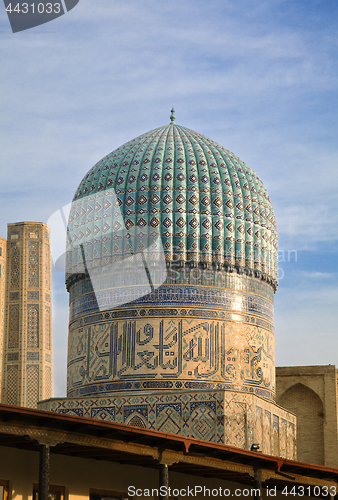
{"points": [[171, 269], [171, 272]]}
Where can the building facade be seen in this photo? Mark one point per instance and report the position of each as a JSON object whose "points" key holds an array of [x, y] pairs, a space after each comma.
{"points": [[311, 393], [27, 309]]}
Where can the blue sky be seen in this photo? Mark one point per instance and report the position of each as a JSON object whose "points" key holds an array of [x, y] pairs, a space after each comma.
{"points": [[258, 76]]}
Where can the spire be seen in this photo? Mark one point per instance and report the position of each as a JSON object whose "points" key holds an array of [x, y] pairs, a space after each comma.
{"points": [[172, 116]]}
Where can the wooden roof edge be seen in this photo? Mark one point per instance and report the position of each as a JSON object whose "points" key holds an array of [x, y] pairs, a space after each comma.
{"points": [[277, 464]]}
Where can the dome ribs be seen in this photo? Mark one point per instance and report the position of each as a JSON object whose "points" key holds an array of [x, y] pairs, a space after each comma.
{"points": [[207, 162], [192, 197], [197, 167], [179, 197], [208, 206], [187, 226], [140, 217]]}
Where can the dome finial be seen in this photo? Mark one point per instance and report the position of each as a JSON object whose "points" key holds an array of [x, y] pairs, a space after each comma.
{"points": [[172, 116]]}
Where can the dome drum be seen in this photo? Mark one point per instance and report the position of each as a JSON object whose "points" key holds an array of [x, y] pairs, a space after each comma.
{"points": [[204, 329]]}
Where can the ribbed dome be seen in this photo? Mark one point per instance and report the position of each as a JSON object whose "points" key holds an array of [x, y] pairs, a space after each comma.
{"points": [[208, 206]]}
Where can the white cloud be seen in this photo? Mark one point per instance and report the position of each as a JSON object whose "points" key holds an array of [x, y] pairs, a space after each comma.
{"points": [[314, 275], [311, 222]]}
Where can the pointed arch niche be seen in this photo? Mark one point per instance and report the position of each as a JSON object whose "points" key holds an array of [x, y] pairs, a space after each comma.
{"points": [[308, 407]]}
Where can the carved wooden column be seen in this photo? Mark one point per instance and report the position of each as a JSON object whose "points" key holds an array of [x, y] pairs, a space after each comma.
{"points": [[46, 439], [164, 480], [258, 484], [44, 468]]}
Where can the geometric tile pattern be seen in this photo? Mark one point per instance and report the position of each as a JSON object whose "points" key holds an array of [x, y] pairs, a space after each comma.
{"points": [[13, 330], [203, 420], [258, 415], [12, 385], [250, 420], [235, 424], [275, 436], [235, 419], [103, 413], [267, 431], [47, 328], [169, 417], [187, 187], [33, 326], [76, 412], [175, 294], [32, 385], [33, 264], [15, 266], [47, 274], [32, 356], [200, 277], [27, 335], [137, 421], [136, 415], [283, 436]]}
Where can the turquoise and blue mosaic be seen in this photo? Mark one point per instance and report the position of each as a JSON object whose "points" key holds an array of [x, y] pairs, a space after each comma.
{"points": [[206, 204], [186, 276], [132, 355], [235, 419], [179, 295]]}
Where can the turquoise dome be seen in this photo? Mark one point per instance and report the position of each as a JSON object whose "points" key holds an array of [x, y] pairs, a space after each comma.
{"points": [[208, 206]]}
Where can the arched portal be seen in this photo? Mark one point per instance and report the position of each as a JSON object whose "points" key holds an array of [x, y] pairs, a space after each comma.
{"points": [[308, 407]]}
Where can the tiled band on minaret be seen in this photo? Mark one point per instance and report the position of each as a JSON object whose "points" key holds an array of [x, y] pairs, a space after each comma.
{"points": [[27, 340]]}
